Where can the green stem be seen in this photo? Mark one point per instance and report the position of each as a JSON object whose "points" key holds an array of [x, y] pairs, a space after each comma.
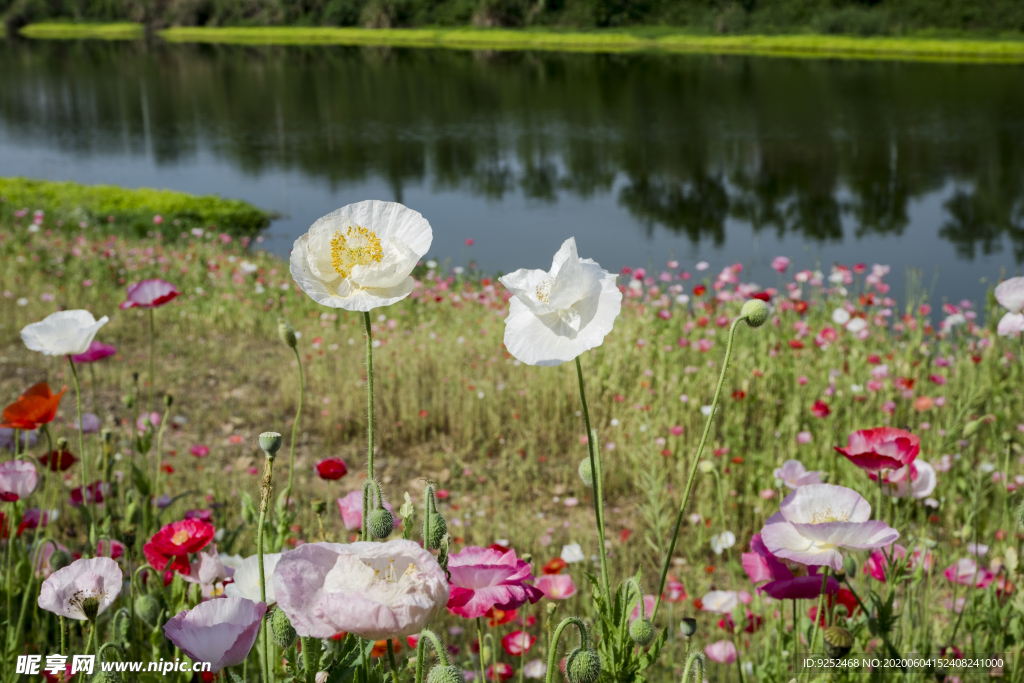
{"points": [[369, 413], [429, 637], [553, 647], [160, 450], [819, 614], [268, 474], [295, 427], [480, 643], [152, 343], [85, 458], [392, 662], [596, 484], [307, 658], [693, 468]]}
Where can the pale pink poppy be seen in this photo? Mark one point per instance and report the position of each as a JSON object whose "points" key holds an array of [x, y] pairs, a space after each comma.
{"points": [[675, 591], [722, 652], [760, 565], [556, 586], [246, 578], [816, 520], [803, 438], [18, 478], [882, 448], [794, 475], [780, 264], [90, 423], [485, 578], [375, 590], [207, 569], [1010, 295], [96, 351], [720, 602], [921, 485], [517, 643], [41, 557], [145, 422], [149, 294], [221, 632], [967, 572], [351, 509], [66, 590]]}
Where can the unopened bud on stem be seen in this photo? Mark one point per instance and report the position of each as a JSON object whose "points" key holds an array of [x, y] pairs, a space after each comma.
{"points": [[755, 312]]}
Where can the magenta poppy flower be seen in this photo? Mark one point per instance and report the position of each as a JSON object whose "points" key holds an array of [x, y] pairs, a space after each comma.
{"points": [[780, 264], [202, 514], [110, 548], [18, 478], [331, 469], [221, 632], [723, 652], [199, 450], [94, 493], [499, 671], [967, 572], [351, 509], [760, 565], [820, 409], [556, 586], [517, 643], [65, 591], [881, 448], [149, 294], [96, 351], [483, 578]]}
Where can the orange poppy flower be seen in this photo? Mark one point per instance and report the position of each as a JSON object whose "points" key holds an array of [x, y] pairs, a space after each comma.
{"points": [[380, 648], [34, 408]]}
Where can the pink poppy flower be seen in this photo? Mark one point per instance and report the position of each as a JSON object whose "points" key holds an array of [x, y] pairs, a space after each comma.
{"points": [[921, 484], [41, 557], [723, 652], [556, 586], [18, 478], [794, 475], [144, 422], [149, 294], [674, 590], [331, 469], [820, 409], [199, 450], [94, 493], [720, 602], [65, 591], [96, 351], [760, 565], [499, 671], [1010, 295], [483, 578], [202, 514], [351, 509], [967, 572], [780, 264], [375, 590], [881, 448], [221, 632], [815, 521], [518, 643], [649, 601], [207, 569], [110, 548]]}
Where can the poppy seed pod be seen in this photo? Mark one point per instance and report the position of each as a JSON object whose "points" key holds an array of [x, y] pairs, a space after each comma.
{"points": [[688, 626], [148, 609], [755, 312], [282, 631], [381, 523], [641, 632], [838, 642], [446, 674], [287, 333], [586, 472], [270, 442], [438, 529], [583, 666]]}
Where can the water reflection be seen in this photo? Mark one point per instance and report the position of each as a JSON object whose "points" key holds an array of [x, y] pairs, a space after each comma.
{"points": [[791, 147]]}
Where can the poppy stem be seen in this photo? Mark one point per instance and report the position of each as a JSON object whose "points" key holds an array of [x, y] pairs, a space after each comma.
{"points": [[596, 483], [553, 648], [295, 427], [480, 644], [152, 344], [160, 449], [91, 502], [392, 662], [369, 410], [819, 614], [268, 474], [693, 467]]}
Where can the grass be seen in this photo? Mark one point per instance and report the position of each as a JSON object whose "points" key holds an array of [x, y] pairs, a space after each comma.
{"points": [[139, 210], [924, 47], [504, 440], [54, 30]]}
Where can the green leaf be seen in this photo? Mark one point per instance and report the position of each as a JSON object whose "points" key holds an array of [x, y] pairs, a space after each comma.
{"points": [[141, 482]]}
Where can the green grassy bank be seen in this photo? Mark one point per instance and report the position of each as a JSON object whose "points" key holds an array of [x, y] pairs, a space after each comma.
{"points": [[652, 39], [137, 210]]}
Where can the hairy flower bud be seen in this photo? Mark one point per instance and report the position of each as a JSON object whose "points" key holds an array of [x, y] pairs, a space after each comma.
{"points": [[583, 666], [281, 629], [838, 642], [59, 559], [270, 442], [381, 523], [586, 471], [446, 674], [688, 626], [755, 312], [106, 677], [148, 609], [319, 506], [438, 529], [641, 631], [287, 333]]}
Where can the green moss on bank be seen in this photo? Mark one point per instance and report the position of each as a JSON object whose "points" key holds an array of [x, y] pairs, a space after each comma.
{"points": [[639, 39], [68, 30], [133, 210]]}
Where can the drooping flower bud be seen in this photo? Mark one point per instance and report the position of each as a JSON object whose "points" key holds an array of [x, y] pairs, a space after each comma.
{"points": [[270, 442], [287, 333], [148, 609], [641, 631], [838, 642], [850, 567], [446, 674], [583, 666], [755, 312], [282, 630], [586, 471], [107, 435], [59, 559], [381, 523], [688, 626]]}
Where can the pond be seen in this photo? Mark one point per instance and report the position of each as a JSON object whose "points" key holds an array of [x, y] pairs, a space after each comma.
{"points": [[643, 157]]}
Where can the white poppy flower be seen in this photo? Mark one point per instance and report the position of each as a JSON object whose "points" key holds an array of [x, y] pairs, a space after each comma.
{"points": [[64, 333], [723, 541], [83, 589], [1010, 295], [557, 315], [246, 583], [720, 602], [840, 316], [360, 257], [572, 553]]}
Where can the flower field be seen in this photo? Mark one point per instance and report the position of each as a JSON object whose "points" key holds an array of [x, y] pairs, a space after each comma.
{"points": [[368, 465]]}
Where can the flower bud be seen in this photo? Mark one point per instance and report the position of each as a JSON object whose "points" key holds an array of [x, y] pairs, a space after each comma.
{"points": [[706, 467], [62, 444], [583, 666], [129, 402], [586, 471], [756, 312], [850, 567], [842, 611], [281, 629], [446, 674], [838, 642], [148, 609], [641, 631], [107, 435], [688, 626], [287, 333], [438, 529], [381, 523], [168, 400], [319, 506], [270, 442], [59, 559]]}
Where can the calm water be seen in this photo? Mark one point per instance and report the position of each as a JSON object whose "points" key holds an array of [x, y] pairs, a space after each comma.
{"points": [[641, 157]]}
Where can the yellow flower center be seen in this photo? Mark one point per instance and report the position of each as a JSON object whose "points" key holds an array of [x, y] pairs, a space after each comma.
{"points": [[357, 246], [179, 537], [544, 291], [828, 515]]}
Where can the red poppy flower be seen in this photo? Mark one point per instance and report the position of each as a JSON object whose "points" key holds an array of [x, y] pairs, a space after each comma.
{"points": [[844, 597], [497, 617], [94, 493], [763, 296], [555, 566], [499, 671], [172, 544], [33, 409], [699, 290], [796, 344], [331, 469], [882, 448], [499, 547], [800, 307], [820, 409], [739, 395], [903, 383], [58, 461]]}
